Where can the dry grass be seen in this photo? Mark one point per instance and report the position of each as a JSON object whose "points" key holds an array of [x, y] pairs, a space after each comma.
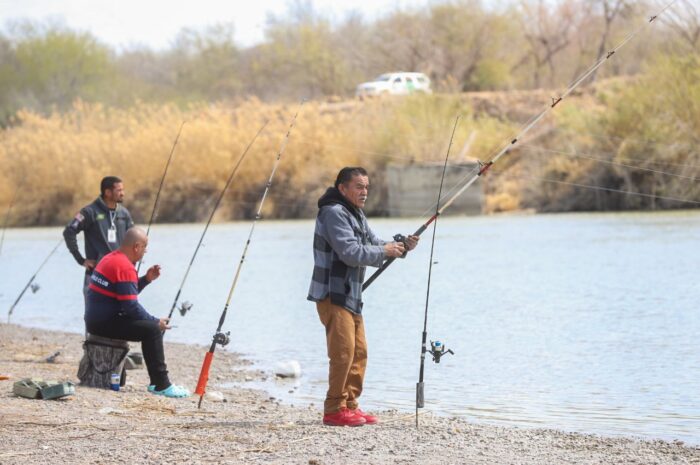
{"points": [[56, 161]]}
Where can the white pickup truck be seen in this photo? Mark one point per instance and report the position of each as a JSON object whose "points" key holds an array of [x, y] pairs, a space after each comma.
{"points": [[395, 84]]}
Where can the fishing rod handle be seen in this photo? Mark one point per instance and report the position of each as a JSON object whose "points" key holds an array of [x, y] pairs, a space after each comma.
{"points": [[420, 395], [376, 274], [204, 375]]}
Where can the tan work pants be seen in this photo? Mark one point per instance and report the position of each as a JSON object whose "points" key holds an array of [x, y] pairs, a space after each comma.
{"points": [[347, 354]]}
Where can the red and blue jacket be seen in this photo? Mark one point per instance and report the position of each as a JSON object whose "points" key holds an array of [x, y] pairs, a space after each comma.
{"points": [[113, 291]]}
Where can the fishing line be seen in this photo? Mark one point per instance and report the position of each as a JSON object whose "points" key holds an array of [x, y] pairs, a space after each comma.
{"points": [[600, 188], [609, 138], [472, 170], [430, 208], [626, 165], [507, 147], [539, 150], [220, 337], [35, 287], [187, 306], [154, 212], [461, 166]]}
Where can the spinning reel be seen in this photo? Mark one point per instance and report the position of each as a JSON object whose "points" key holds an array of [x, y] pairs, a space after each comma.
{"points": [[34, 287], [437, 350], [185, 307], [222, 338], [401, 238]]}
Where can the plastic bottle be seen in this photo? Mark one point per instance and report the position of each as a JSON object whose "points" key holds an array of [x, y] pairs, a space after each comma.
{"points": [[115, 380]]}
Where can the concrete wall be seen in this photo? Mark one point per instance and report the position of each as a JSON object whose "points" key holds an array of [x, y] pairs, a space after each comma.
{"points": [[412, 189]]}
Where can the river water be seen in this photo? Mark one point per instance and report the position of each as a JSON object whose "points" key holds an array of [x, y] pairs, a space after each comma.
{"points": [[581, 322]]}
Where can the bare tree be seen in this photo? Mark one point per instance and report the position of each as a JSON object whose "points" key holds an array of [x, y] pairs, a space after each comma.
{"points": [[547, 32], [460, 35], [402, 42], [611, 9], [684, 20]]}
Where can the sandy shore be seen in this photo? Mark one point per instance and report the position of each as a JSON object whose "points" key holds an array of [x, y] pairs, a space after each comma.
{"points": [[132, 426]]}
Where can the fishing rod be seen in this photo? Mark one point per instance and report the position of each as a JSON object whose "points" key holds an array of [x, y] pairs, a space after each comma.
{"points": [[34, 286], [187, 306], [220, 337], [7, 219], [437, 349], [507, 147], [160, 188]]}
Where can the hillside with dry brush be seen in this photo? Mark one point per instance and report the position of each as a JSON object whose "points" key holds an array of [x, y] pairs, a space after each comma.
{"points": [[597, 151]]}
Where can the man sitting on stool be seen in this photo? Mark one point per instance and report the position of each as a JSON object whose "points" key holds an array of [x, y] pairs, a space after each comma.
{"points": [[112, 309]]}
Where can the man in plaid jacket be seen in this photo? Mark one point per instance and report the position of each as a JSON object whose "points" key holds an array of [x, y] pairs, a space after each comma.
{"points": [[343, 246]]}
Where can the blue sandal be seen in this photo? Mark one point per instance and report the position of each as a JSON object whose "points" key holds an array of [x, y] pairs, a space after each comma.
{"points": [[171, 391]]}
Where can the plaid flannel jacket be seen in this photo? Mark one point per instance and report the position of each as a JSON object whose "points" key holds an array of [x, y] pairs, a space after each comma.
{"points": [[343, 246]]}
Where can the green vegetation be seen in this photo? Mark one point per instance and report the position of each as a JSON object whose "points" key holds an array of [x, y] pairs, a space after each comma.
{"points": [[462, 45], [637, 135]]}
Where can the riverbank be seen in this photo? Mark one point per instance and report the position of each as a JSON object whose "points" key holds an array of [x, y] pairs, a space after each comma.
{"points": [[97, 426]]}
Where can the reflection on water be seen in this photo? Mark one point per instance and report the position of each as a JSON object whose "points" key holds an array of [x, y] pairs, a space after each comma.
{"points": [[583, 322]]}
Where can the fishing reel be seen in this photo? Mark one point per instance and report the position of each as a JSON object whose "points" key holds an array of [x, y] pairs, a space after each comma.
{"points": [[34, 287], [401, 238], [437, 350], [222, 338], [185, 307]]}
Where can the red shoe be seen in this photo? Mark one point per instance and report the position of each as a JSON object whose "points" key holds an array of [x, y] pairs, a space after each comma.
{"points": [[369, 419], [343, 417]]}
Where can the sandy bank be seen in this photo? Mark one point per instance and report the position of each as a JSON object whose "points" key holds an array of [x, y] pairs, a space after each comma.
{"points": [[132, 426]]}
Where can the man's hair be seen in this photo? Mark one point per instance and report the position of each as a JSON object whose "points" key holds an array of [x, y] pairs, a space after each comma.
{"points": [[108, 182], [347, 173]]}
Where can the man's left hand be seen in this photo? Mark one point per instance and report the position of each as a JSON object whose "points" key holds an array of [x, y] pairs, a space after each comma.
{"points": [[412, 242], [153, 273]]}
